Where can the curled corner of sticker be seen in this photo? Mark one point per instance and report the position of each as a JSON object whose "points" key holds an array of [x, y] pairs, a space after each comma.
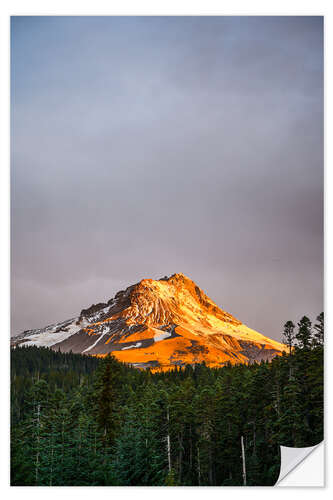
{"points": [[291, 458]]}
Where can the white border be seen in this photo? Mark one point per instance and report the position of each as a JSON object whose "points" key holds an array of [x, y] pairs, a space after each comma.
{"points": [[128, 7]]}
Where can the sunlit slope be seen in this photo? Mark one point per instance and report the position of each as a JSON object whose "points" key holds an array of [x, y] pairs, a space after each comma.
{"points": [[160, 324]]}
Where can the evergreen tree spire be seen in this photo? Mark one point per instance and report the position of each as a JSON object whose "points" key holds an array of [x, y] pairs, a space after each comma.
{"points": [[319, 327], [304, 333], [289, 335]]}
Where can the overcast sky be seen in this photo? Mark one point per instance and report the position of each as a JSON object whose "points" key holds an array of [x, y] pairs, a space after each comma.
{"points": [[146, 146]]}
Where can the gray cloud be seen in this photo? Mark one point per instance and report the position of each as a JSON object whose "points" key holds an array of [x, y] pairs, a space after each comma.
{"points": [[147, 146]]}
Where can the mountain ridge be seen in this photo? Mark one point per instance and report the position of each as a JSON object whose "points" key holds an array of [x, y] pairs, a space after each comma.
{"points": [[158, 324]]}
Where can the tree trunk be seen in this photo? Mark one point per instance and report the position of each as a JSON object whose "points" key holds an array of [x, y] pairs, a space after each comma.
{"points": [[254, 438], [80, 451], [199, 472], [168, 443], [210, 465], [191, 448], [37, 448], [243, 458], [52, 453], [180, 440], [62, 446]]}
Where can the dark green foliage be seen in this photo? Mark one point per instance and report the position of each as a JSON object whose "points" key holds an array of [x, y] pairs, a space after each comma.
{"points": [[288, 334], [304, 333], [105, 397], [319, 330], [78, 420]]}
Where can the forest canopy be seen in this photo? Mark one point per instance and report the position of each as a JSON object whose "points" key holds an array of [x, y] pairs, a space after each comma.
{"points": [[80, 420]]}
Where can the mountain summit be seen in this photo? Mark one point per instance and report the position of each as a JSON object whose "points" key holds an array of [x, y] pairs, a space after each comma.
{"points": [[159, 324]]}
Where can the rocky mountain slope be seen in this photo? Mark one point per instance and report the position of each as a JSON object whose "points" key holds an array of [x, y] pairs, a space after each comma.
{"points": [[159, 324]]}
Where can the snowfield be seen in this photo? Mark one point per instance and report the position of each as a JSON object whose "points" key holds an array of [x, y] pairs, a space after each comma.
{"points": [[138, 344], [161, 336], [49, 336]]}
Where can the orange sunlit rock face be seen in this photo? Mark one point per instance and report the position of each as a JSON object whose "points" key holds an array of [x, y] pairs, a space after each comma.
{"points": [[162, 324]]}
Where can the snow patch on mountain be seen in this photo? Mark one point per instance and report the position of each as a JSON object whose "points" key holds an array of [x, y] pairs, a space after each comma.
{"points": [[134, 346], [93, 345], [161, 336], [52, 334]]}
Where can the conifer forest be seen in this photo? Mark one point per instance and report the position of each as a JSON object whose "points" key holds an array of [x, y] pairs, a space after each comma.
{"points": [[79, 420]]}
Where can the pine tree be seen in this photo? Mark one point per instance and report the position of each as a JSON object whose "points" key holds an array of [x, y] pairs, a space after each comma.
{"points": [[304, 333], [319, 327], [105, 395], [288, 334]]}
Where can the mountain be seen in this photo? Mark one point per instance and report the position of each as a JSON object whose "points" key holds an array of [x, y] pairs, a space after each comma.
{"points": [[159, 324]]}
